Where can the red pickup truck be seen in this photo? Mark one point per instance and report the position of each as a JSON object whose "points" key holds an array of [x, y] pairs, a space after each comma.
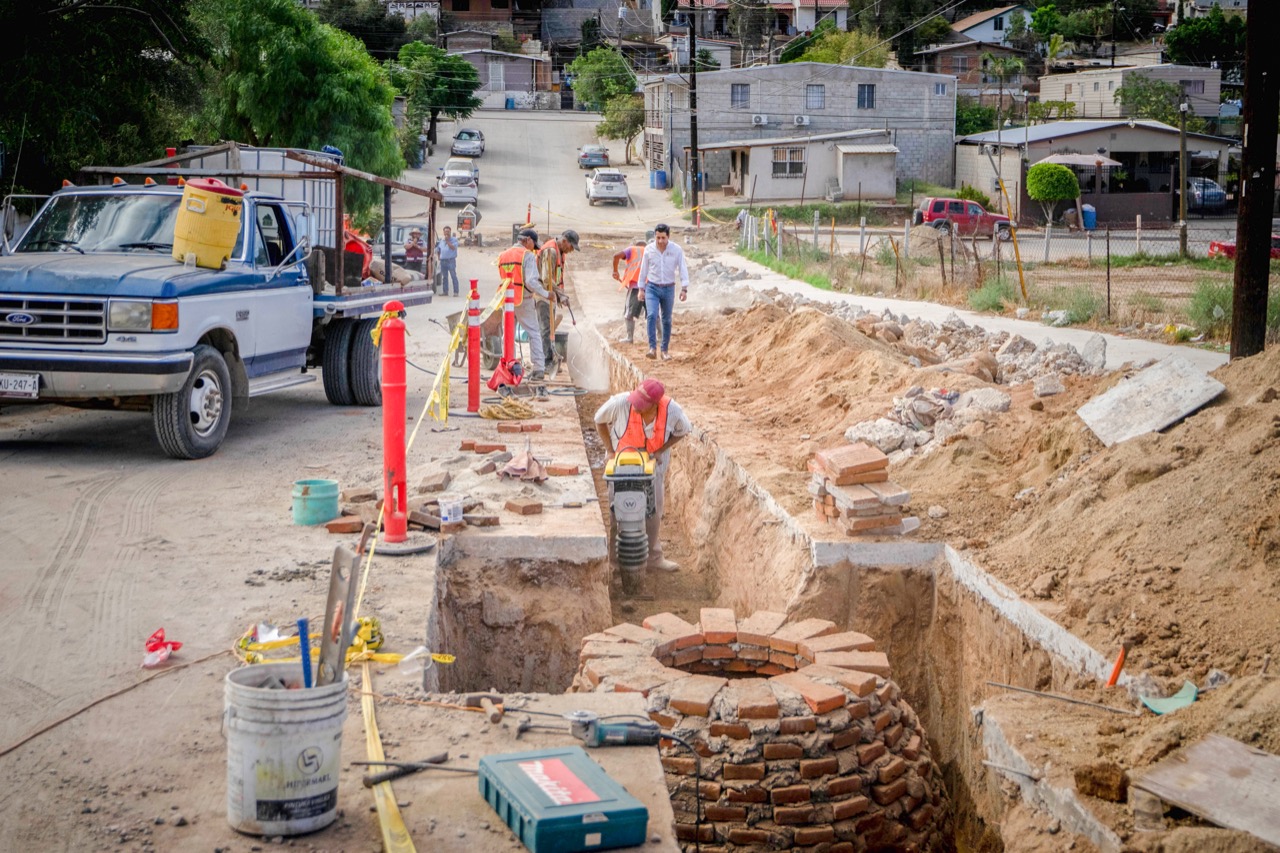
{"points": [[964, 216]]}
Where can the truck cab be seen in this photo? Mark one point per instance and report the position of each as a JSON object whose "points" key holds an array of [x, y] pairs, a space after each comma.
{"points": [[95, 312]]}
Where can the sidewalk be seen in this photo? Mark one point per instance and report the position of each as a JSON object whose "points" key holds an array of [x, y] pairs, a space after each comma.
{"points": [[1120, 349]]}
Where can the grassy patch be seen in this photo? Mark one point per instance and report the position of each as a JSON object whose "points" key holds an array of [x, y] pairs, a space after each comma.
{"points": [[1144, 259], [1210, 307], [1080, 303], [677, 197], [801, 215], [994, 295], [801, 269], [1147, 304]]}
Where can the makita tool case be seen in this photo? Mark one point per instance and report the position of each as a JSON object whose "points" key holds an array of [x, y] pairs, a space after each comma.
{"points": [[560, 801]]}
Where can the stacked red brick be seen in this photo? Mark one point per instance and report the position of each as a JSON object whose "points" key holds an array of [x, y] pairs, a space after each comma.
{"points": [[851, 489], [804, 740]]}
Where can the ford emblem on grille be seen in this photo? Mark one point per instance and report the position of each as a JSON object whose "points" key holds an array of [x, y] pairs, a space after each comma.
{"points": [[20, 318]]}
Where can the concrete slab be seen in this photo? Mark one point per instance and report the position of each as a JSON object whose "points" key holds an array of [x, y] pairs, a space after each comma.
{"points": [[1158, 397], [464, 821]]}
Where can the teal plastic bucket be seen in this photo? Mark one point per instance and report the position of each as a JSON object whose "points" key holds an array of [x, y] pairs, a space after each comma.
{"points": [[315, 501]]}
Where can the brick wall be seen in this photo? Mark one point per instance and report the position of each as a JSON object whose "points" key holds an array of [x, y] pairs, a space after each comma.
{"points": [[802, 739]]}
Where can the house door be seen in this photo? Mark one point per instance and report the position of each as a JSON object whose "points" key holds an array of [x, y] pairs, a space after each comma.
{"points": [[497, 80]]}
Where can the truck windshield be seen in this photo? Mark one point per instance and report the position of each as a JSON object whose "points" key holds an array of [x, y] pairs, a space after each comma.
{"points": [[101, 222]]}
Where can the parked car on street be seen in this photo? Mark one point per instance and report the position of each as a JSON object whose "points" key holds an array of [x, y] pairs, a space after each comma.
{"points": [[468, 142], [1205, 194], [964, 217], [458, 187], [462, 164], [590, 156], [607, 185], [1227, 248]]}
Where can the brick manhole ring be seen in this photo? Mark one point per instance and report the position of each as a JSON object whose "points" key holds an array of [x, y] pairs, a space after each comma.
{"points": [[804, 740]]}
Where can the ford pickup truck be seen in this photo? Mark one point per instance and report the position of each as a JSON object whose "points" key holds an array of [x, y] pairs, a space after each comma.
{"points": [[96, 313]]}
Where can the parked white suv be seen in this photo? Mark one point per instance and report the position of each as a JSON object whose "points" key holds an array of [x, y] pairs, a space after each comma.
{"points": [[607, 185], [458, 187]]}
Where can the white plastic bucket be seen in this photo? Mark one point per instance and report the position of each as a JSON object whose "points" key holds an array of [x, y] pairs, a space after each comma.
{"points": [[450, 509], [284, 749]]}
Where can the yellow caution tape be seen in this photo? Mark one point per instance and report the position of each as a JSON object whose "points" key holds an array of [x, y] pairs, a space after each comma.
{"points": [[376, 334]]}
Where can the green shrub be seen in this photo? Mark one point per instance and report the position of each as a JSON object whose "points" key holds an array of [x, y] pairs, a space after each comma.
{"points": [[1210, 307], [974, 194], [1083, 305], [994, 295]]}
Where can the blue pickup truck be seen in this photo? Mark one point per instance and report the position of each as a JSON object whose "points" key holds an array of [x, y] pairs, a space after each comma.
{"points": [[96, 313]]}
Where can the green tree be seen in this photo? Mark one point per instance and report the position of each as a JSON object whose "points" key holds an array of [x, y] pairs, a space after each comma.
{"points": [[933, 31], [797, 46], [748, 20], [1045, 21], [623, 119], [1020, 34], [1051, 111], [972, 117], [422, 28], [1002, 68], [281, 78], [1050, 183], [1143, 97], [381, 32], [851, 48], [434, 84], [100, 84], [706, 60], [601, 76], [1213, 38], [591, 38]]}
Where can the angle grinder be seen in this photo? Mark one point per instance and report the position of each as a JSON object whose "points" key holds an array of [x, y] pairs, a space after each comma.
{"points": [[586, 726]]}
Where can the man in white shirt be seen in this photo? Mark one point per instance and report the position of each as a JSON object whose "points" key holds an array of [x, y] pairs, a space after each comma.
{"points": [[663, 262], [646, 419]]}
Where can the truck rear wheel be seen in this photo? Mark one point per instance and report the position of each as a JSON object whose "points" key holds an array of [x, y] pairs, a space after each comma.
{"points": [[366, 383], [191, 422], [337, 355]]}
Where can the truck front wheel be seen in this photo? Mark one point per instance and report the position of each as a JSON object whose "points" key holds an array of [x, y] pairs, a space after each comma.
{"points": [[191, 422], [333, 370]]}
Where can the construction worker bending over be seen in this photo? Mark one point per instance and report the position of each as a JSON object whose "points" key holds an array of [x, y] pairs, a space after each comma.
{"points": [[646, 419], [551, 268], [519, 264], [633, 306]]}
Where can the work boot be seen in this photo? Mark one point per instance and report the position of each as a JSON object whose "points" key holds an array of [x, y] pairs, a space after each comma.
{"points": [[663, 565], [537, 376], [631, 331]]}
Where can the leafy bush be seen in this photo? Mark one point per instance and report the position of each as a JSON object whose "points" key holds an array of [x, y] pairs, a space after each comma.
{"points": [[1210, 307], [974, 194], [1050, 183], [994, 295]]}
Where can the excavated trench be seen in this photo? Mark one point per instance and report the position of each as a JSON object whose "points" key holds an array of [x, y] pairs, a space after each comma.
{"points": [[946, 628]]}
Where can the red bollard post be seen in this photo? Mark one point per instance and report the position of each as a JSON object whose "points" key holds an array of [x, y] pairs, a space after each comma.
{"points": [[473, 348], [395, 516]]}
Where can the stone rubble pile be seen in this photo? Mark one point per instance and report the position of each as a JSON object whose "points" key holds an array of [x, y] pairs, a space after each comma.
{"points": [[851, 490]]}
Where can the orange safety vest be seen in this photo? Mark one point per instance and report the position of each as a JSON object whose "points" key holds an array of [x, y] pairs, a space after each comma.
{"points": [[511, 269], [557, 276], [631, 273], [634, 436]]}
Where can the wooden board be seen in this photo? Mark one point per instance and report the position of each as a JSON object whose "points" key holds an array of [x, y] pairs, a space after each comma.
{"points": [[1224, 782]]}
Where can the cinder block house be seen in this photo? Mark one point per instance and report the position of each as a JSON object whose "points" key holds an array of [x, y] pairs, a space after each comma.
{"points": [[802, 99]]}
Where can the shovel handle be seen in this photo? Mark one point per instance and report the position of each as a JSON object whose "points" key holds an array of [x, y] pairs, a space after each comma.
{"points": [[371, 779]]}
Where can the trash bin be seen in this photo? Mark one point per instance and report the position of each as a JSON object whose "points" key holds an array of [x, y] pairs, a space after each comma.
{"points": [[511, 103], [660, 179], [1090, 217]]}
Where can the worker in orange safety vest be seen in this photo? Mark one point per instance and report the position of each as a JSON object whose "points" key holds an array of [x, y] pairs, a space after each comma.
{"points": [[551, 268], [633, 307], [519, 264], [646, 419]]}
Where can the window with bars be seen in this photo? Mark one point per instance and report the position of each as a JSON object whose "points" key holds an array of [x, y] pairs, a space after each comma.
{"points": [[740, 96], [815, 97], [788, 162], [866, 96]]}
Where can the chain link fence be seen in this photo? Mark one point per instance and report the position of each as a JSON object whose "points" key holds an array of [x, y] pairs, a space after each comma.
{"points": [[1132, 279]]}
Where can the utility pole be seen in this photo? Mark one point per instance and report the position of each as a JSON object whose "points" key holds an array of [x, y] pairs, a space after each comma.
{"points": [[621, 12], [1113, 33], [694, 167], [1182, 178], [1257, 184]]}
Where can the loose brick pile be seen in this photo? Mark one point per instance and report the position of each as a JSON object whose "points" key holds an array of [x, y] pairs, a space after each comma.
{"points": [[851, 489], [804, 741]]}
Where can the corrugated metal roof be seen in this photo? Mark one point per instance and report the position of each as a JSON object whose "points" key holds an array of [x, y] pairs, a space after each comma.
{"points": [[789, 140], [1058, 129], [867, 149]]}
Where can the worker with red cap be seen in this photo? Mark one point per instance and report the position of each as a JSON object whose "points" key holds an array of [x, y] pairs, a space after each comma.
{"points": [[646, 419]]}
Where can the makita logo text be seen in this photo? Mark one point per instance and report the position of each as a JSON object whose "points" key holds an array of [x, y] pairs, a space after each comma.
{"points": [[558, 782]]}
